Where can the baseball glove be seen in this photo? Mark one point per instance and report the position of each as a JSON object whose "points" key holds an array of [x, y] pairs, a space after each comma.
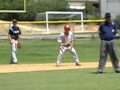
{"points": [[19, 45]]}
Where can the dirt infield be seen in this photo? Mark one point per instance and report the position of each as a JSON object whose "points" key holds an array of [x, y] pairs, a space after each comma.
{"points": [[10, 68]]}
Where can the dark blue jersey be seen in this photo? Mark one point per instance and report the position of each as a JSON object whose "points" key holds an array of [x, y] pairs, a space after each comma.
{"points": [[108, 31], [14, 31]]}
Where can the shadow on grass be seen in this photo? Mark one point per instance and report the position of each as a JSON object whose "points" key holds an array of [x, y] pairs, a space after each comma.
{"points": [[97, 73]]}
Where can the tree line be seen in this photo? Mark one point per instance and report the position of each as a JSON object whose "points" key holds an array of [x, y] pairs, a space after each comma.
{"points": [[33, 7]]}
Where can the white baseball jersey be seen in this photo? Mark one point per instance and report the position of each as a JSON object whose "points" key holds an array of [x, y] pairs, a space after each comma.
{"points": [[65, 38]]}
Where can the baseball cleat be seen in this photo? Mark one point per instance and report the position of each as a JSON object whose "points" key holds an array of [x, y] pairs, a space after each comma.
{"points": [[117, 71], [57, 65], [13, 63], [78, 64], [99, 72]]}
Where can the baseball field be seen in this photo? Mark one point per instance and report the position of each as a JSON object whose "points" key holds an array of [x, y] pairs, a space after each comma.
{"points": [[37, 71]]}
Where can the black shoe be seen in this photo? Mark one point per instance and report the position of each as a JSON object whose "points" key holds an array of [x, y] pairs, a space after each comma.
{"points": [[99, 72], [78, 64], [13, 63], [117, 71]]}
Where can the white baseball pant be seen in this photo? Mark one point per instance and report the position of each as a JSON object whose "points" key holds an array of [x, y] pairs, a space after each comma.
{"points": [[13, 51], [71, 50]]}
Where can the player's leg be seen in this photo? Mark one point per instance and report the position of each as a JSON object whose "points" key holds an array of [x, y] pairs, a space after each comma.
{"points": [[13, 52], [114, 56], [60, 55], [103, 56], [75, 56]]}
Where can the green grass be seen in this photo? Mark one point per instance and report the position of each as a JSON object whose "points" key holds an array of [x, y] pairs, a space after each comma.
{"points": [[46, 51], [81, 79]]}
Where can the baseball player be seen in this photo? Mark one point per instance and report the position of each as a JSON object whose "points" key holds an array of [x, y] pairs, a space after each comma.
{"points": [[15, 40], [107, 32], [66, 44]]}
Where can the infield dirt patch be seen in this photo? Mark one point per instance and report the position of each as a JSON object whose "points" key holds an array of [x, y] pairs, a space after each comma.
{"points": [[10, 68]]}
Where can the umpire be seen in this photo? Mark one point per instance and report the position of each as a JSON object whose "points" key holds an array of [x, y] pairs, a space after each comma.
{"points": [[107, 33]]}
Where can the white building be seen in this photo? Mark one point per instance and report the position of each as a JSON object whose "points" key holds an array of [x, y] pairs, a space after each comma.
{"points": [[111, 6], [101, 6], [78, 4]]}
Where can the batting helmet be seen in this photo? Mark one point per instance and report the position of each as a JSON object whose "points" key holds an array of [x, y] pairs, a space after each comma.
{"points": [[67, 27]]}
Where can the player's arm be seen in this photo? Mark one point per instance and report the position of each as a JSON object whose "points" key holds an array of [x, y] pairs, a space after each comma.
{"points": [[60, 41], [19, 40], [9, 37], [19, 36], [115, 27], [61, 44], [100, 31], [71, 43]]}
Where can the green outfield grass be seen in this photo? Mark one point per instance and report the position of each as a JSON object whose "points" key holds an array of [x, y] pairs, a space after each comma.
{"points": [[81, 79], [46, 51]]}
